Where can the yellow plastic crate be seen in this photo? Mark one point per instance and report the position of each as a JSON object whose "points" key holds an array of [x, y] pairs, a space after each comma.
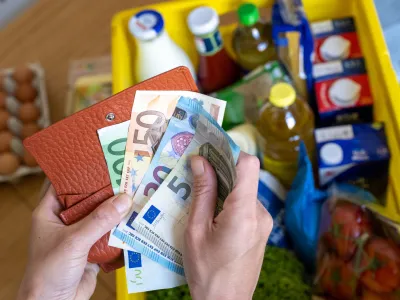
{"points": [[385, 88]]}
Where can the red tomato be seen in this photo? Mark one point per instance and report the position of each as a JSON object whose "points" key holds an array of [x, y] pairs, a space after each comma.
{"points": [[339, 280], [348, 223], [382, 261], [369, 295]]}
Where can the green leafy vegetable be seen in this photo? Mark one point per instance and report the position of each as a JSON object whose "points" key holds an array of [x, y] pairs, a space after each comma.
{"points": [[282, 277]]}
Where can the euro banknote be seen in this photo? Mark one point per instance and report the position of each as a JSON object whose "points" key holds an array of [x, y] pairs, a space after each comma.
{"points": [[177, 137], [142, 273], [225, 170], [164, 217], [151, 112], [113, 141]]}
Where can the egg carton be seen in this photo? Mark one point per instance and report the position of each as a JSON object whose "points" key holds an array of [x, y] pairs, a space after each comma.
{"points": [[14, 124]]}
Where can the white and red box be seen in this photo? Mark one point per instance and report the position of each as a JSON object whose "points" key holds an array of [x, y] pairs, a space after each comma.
{"points": [[335, 40], [343, 92]]}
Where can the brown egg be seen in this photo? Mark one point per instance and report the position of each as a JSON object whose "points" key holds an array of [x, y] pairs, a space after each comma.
{"points": [[28, 112], [26, 93], [2, 78], [29, 129], [9, 163], [23, 74], [29, 160], [3, 97], [5, 141], [4, 115]]}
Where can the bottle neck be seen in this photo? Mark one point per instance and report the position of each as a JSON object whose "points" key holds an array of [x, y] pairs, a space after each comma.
{"points": [[209, 44]]}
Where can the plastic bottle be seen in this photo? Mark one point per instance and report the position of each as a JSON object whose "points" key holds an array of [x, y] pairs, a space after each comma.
{"points": [[252, 40], [216, 68], [285, 121], [156, 51]]}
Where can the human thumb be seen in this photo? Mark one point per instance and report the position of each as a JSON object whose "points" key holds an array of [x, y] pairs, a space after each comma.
{"points": [[102, 220], [204, 192]]}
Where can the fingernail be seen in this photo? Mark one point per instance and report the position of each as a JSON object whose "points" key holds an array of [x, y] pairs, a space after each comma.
{"points": [[197, 166], [122, 203]]}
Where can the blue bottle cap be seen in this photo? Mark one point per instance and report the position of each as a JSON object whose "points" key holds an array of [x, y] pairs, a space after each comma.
{"points": [[146, 25]]}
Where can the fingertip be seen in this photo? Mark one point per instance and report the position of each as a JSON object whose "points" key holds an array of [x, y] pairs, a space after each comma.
{"points": [[122, 204], [197, 165]]}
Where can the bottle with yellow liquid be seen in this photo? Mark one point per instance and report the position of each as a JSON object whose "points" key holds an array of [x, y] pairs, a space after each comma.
{"points": [[285, 120]]}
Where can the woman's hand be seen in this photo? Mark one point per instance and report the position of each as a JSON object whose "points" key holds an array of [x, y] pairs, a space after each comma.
{"points": [[223, 256], [57, 265]]}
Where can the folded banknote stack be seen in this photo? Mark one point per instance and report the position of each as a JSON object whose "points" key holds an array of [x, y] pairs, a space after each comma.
{"points": [[148, 157]]}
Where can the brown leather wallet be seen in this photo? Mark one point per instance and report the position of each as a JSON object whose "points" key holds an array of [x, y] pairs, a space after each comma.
{"points": [[70, 154]]}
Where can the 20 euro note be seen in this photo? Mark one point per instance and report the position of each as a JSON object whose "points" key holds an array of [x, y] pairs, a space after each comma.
{"points": [[142, 273], [164, 217], [151, 112], [176, 139]]}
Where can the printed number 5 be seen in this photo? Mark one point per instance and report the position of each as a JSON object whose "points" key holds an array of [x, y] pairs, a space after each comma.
{"points": [[180, 186]]}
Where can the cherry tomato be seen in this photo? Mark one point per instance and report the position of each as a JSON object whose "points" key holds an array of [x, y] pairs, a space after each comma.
{"points": [[382, 263], [349, 222], [339, 280], [370, 295]]}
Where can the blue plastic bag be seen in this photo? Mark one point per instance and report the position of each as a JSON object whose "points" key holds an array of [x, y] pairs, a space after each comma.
{"points": [[303, 211]]}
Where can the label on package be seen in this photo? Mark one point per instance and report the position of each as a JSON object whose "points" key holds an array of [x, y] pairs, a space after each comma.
{"points": [[343, 92], [356, 154], [272, 196], [335, 40]]}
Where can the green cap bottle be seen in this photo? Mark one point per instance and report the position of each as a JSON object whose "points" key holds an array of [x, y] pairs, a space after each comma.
{"points": [[248, 14]]}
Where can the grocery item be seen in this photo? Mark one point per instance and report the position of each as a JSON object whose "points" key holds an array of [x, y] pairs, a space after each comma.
{"points": [[23, 74], [246, 97], [25, 92], [89, 82], [294, 44], [335, 40], [252, 40], [343, 93], [23, 112], [272, 196], [358, 252], [356, 154], [284, 122], [5, 141], [303, 211], [28, 112], [9, 163], [245, 136], [4, 115], [291, 11], [156, 51], [216, 68], [282, 277], [2, 100]]}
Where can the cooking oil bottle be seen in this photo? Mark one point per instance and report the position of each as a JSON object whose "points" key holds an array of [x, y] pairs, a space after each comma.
{"points": [[252, 40], [285, 120]]}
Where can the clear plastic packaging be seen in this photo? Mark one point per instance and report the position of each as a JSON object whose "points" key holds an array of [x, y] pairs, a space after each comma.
{"points": [[358, 253]]}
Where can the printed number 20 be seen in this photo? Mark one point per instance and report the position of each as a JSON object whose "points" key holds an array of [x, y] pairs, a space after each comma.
{"points": [[177, 188]]}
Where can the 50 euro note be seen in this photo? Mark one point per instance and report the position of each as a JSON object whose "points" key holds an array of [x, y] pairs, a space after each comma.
{"points": [[142, 273], [164, 217], [177, 137], [151, 112]]}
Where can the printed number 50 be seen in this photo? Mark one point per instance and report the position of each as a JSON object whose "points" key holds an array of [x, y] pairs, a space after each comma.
{"points": [[177, 188]]}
